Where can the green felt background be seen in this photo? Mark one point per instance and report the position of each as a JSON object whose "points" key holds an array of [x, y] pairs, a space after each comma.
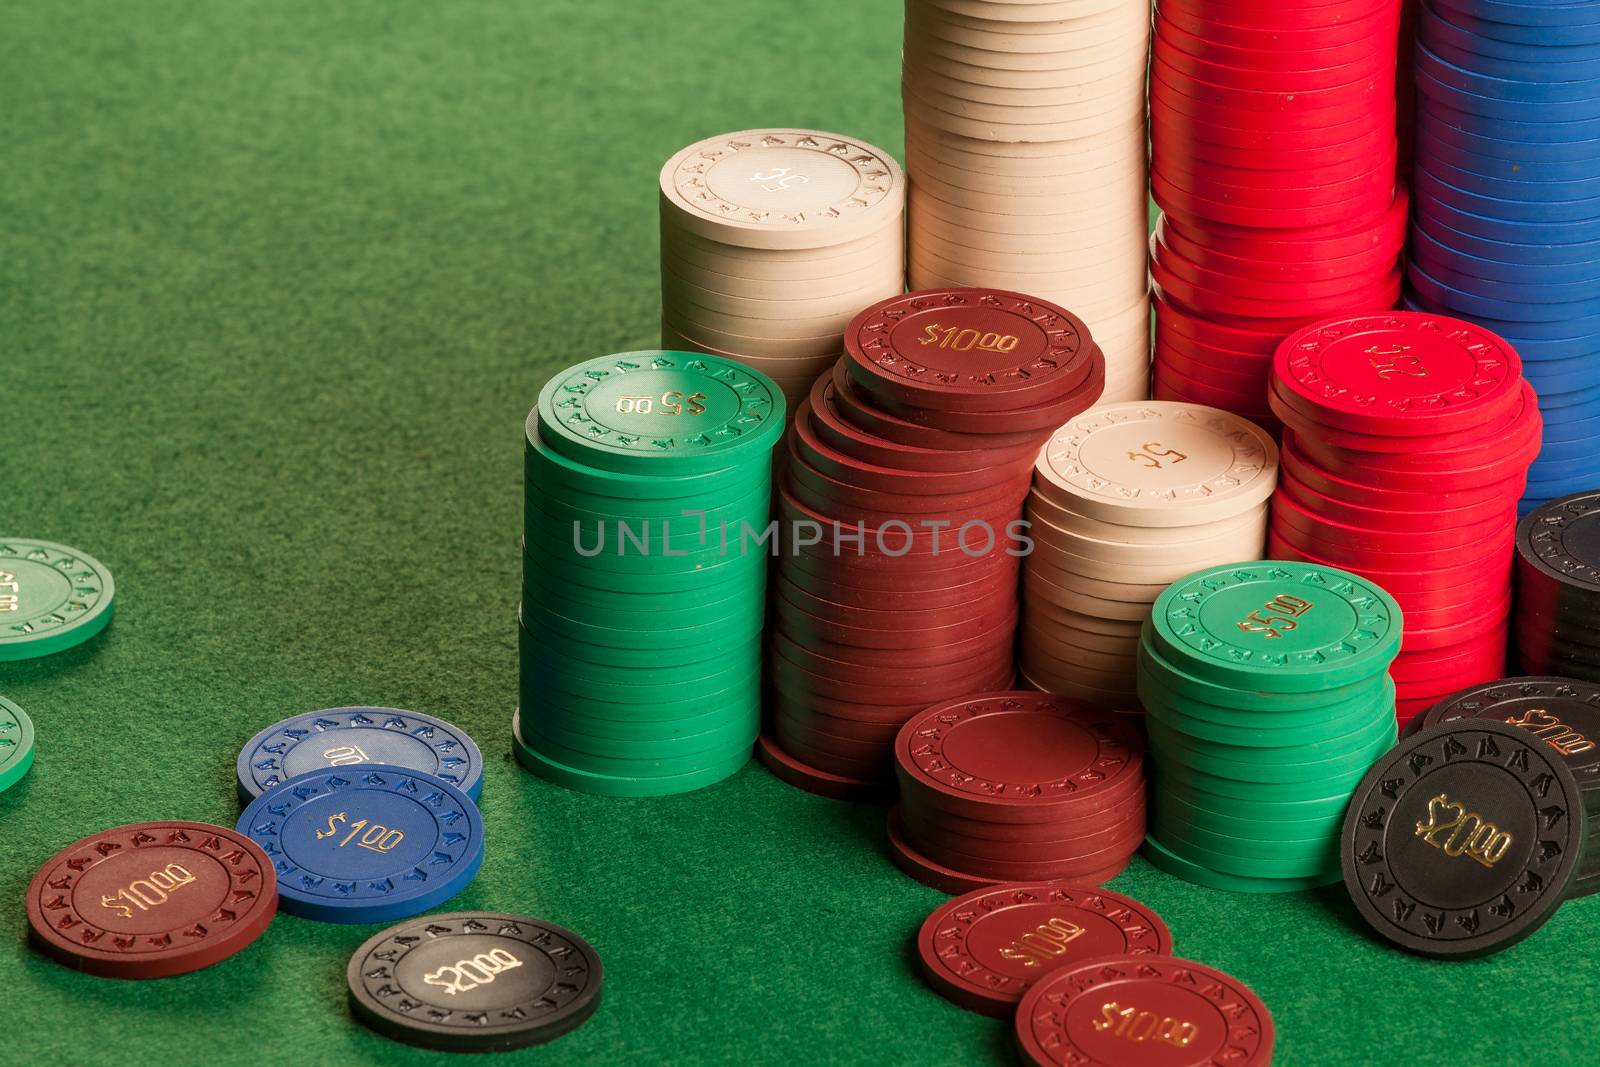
{"points": [[279, 280]]}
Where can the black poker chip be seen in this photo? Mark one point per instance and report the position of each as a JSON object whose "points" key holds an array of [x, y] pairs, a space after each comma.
{"points": [[474, 982], [1564, 713], [1556, 618], [1463, 839]]}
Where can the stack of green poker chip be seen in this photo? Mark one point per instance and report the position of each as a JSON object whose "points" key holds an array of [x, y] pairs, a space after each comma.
{"points": [[645, 548], [1267, 696]]}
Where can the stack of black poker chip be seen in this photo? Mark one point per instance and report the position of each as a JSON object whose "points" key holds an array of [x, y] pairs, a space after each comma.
{"points": [[1565, 714], [1556, 616]]}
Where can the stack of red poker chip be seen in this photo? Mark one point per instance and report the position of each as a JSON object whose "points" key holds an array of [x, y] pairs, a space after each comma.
{"points": [[899, 505], [1406, 447], [1014, 786], [1273, 158]]}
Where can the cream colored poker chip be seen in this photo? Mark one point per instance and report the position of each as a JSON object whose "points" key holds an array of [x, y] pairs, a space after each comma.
{"points": [[846, 255], [1116, 194], [928, 58], [1083, 553], [1122, 167], [799, 303], [1110, 27], [1096, 88], [1085, 218], [1018, 10], [1090, 243], [1042, 622], [1112, 630], [1087, 302], [1016, 125], [740, 345], [1043, 645], [886, 258], [1106, 688], [1158, 463], [829, 325], [881, 278], [1047, 157], [782, 188], [1068, 519], [1121, 278]]}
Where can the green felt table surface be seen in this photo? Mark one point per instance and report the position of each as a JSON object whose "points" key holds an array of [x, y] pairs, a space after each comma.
{"points": [[279, 280]]}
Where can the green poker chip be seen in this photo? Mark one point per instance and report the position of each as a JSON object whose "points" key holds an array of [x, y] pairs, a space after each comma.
{"points": [[1163, 858], [52, 598], [548, 471], [586, 781], [606, 712], [1288, 763], [661, 412], [1341, 784], [1171, 807], [1287, 707], [567, 736], [1225, 726], [1243, 859], [16, 744], [1277, 626]]}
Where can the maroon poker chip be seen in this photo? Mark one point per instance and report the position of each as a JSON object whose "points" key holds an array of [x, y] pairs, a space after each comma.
{"points": [[984, 949], [947, 879], [801, 775], [1139, 1010], [152, 900]]}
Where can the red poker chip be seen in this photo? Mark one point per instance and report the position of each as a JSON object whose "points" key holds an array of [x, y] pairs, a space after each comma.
{"points": [[820, 455], [1169, 384], [802, 626], [1175, 134], [1220, 123], [1222, 374], [1243, 368], [1403, 372], [1376, 30], [1168, 47], [949, 880], [1416, 476], [1067, 869], [891, 534], [152, 900], [1266, 59], [852, 740], [1269, 315], [1445, 626], [969, 350], [1206, 280], [803, 704], [1472, 580], [1487, 653], [984, 949], [856, 407], [1288, 510], [986, 607], [1377, 259], [1243, 209], [1331, 183], [1311, 16], [1274, 100], [815, 780], [833, 427], [1039, 419], [1320, 242], [1475, 445], [1086, 848], [1367, 492], [1456, 525], [1200, 1014], [1390, 551], [869, 582], [801, 683], [988, 495], [1191, 324], [1111, 813], [990, 755]]}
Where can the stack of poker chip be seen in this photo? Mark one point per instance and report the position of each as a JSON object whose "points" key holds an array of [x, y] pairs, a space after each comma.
{"points": [[1014, 786], [1273, 157], [1464, 839], [771, 241], [1564, 713], [1126, 499], [1508, 203], [1407, 443], [900, 506], [1556, 611], [644, 576], [1266, 699], [1025, 148]]}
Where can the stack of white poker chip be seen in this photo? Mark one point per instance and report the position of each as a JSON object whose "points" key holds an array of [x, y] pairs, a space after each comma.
{"points": [[1026, 150], [1128, 498], [772, 241]]}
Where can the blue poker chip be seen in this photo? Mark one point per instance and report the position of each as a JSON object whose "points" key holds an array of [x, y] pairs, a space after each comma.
{"points": [[1581, 118], [1507, 59], [1560, 453], [1579, 254], [1570, 99], [1534, 341], [1578, 215], [1444, 105], [1447, 126], [347, 737], [1560, 283], [1529, 319], [1529, 166], [1568, 398], [366, 844], [1495, 227], [1522, 23], [1503, 187], [1563, 431]]}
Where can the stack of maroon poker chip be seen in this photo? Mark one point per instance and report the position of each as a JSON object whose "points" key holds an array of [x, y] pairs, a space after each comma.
{"points": [[1017, 786], [1273, 157], [1406, 448], [899, 504]]}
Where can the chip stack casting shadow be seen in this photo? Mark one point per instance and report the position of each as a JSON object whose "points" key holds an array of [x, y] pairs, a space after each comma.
{"points": [[1025, 149], [1128, 498], [648, 485], [1406, 445], [1273, 156], [773, 240], [901, 497]]}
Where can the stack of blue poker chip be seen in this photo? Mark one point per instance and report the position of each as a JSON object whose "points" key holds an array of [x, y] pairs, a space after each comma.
{"points": [[1506, 226]]}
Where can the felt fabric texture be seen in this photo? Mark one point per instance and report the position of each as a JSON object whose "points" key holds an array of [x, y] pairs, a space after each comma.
{"points": [[279, 280]]}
